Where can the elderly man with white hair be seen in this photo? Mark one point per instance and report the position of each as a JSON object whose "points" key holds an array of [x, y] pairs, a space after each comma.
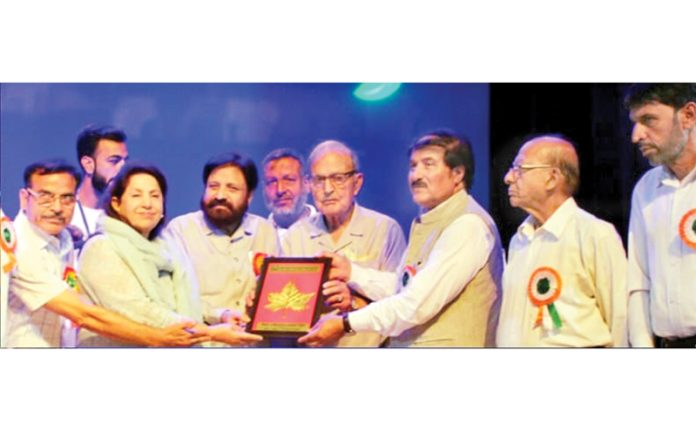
{"points": [[366, 237]]}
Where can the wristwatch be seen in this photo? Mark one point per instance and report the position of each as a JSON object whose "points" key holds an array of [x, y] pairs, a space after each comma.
{"points": [[346, 325]]}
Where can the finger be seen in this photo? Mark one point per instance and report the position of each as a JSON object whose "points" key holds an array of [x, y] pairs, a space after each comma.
{"points": [[331, 283], [331, 291], [307, 339], [185, 324], [334, 300], [198, 338], [340, 306], [245, 336], [336, 284]]}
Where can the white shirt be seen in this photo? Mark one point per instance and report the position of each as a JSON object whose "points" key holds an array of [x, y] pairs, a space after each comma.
{"points": [[371, 239], [91, 216], [661, 265], [222, 263], [587, 254], [7, 261], [452, 263], [308, 211], [37, 278]]}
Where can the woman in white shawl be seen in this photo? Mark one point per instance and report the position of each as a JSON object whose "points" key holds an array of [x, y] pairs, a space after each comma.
{"points": [[127, 268]]}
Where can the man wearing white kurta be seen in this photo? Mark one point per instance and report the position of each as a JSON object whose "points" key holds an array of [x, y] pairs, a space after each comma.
{"points": [[662, 228], [365, 237], [221, 239], [564, 283], [446, 292]]}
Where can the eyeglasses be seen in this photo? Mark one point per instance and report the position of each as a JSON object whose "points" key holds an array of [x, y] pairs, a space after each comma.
{"points": [[337, 180], [46, 199], [288, 180], [518, 170]]}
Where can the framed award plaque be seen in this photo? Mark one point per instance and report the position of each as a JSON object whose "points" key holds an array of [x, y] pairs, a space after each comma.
{"points": [[288, 299]]}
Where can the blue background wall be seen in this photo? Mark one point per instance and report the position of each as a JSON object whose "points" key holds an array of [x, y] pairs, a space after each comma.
{"points": [[179, 126]]}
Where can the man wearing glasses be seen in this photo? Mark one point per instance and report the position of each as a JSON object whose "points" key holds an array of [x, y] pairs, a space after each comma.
{"points": [[446, 290], [366, 237], [564, 283], [43, 284], [285, 189]]}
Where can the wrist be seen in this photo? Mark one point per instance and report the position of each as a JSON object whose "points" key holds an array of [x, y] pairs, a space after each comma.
{"points": [[346, 324], [156, 338], [226, 315]]}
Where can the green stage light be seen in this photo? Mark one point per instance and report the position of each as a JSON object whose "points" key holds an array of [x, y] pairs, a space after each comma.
{"points": [[374, 92]]}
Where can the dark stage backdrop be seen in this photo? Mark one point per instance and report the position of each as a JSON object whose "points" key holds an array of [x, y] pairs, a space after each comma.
{"points": [[590, 114], [179, 126]]}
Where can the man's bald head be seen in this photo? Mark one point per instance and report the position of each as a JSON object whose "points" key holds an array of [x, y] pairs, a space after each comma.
{"points": [[558, 152]]}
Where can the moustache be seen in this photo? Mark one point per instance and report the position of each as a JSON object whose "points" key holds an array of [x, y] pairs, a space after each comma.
{"points": [[222, 202], [418, 183], [284, 196]]}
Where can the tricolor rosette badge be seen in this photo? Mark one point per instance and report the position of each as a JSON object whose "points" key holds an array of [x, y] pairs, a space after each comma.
{"points": [[8, 243], [257, 262], [70, 277], [687, 228], [544, 288], [409, 273]]}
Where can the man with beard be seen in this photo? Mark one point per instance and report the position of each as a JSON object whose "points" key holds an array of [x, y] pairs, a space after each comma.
{"points": [[101, 153], [366, 237], [662, 228], [446, 292], [285, 189], [221, 238]]}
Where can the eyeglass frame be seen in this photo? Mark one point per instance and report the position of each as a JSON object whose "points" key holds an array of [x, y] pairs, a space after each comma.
{"points": [[317, 181], [49, 198], [518, 170]]}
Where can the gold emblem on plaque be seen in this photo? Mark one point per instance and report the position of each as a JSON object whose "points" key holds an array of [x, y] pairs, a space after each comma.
{"points": [[288, 298]]}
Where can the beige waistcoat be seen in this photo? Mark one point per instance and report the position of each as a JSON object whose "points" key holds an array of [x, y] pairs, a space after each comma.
{"points": [[470, 320]]}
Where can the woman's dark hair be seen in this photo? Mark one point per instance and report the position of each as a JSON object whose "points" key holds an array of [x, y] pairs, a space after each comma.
{"points": [[118, 186]]}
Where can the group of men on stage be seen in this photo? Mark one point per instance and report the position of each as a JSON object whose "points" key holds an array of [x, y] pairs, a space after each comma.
{"points": [[566, 280]]}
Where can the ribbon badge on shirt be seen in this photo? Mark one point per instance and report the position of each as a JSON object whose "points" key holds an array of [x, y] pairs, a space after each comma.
{"points": [[544, 288], [8, 243], [687, 228], [257, 262], [409, 273], [70, 277]]}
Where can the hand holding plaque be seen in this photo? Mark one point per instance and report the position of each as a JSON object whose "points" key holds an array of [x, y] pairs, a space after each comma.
{"points": [[338, 295]]}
